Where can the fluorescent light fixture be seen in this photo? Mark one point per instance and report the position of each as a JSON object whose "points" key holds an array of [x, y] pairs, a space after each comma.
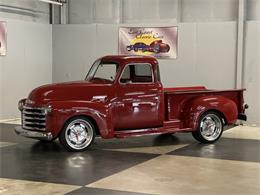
{"points": [[59, 2]]}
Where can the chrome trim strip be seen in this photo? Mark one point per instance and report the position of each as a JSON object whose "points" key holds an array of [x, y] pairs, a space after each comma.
{"points": [[33, 123], [33, 108], [35, 118], [33, 128], [33, 113]]}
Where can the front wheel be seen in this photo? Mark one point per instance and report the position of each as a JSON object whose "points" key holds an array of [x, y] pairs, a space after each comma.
{"points": [[78, 134], [210, 128]]}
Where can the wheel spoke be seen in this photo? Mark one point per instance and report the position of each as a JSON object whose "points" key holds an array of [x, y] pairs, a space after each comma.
{"points": [[79, 134], [211, 127]]}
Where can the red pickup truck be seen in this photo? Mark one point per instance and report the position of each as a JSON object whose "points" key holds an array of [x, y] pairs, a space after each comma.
{"points": [[122, 96]]}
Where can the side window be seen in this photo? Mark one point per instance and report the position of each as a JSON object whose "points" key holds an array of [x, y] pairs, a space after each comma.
{"points": [[106, 71], [137, 73]]}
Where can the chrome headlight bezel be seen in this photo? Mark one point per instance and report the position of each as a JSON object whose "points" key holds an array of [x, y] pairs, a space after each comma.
{"points": [[47, 109], [21, 104]]}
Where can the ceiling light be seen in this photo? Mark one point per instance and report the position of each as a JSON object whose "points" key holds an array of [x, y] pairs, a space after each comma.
{"points": [[57, 2]]}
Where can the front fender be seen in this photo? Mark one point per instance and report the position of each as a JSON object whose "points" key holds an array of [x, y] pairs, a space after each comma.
{"points": [[64, 110], [194, 108]]}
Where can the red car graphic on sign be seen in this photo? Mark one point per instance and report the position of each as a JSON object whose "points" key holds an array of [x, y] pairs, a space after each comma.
{"points": [[156, 47], [159, 47]]}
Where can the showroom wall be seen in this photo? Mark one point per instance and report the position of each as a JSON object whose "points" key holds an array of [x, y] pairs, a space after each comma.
{"points": [[200, 53], [252, 61], [25, 10], [28, 62], [207, 50], [207, 44], [93, 32], [252, 70]]}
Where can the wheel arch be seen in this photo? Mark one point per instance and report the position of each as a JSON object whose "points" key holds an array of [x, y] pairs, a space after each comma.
{"points": [[220, 113], [195, 108], [97, 130]]}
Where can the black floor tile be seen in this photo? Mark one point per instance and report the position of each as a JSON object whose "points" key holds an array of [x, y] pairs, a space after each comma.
{"points": [[49, 162], [7, 134], [97, 191], [145, 141], [224, 148]]}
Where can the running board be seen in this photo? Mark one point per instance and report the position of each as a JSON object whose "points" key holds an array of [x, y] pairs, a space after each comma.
{"points": [[142, 132]]}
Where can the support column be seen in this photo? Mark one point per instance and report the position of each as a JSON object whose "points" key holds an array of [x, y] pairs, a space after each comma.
{"points": [[179, 11], [240, 43], [64, 13]]}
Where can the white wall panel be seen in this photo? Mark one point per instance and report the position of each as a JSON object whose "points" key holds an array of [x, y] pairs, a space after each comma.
{"points": [[81, 11], [253, 10], [153, 11], [139, 11], [107, 11], [202, 58], [252, 71], [31, 10], [74, 49], [181, 72], [209, 10], [201, 54], [28, 63], [216, 54]]}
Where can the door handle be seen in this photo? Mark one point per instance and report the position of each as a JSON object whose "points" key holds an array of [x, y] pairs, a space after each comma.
{"points": [[137, 104]]}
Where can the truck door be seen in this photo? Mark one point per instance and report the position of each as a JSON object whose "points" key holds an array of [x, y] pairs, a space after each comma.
{"points": [[138, 98]]}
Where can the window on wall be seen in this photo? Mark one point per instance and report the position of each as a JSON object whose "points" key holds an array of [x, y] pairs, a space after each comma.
{"points": [[137, 73]]}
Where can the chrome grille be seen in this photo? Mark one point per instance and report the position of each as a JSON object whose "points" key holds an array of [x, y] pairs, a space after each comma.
{"points": [[34, 118]]}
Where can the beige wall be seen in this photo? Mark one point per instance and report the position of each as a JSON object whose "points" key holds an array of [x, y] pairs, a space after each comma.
{"points": [[252, 70], [28, 63]]}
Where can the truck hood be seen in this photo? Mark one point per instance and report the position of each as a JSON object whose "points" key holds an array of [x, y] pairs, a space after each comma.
{"points": [[77, 91]]}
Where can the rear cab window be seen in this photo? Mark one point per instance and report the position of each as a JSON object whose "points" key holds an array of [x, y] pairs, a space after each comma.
{"points": [[137, 73]]}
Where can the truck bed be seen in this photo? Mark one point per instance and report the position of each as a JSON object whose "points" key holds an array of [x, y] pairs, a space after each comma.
{"points": [[177, 99]]}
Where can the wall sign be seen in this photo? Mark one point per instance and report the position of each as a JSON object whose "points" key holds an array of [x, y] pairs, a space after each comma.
{"points": [[160, 42], [3, 34]]}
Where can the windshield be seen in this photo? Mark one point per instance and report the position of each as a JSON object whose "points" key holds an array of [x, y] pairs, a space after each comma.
{"points": [[102, 71]]}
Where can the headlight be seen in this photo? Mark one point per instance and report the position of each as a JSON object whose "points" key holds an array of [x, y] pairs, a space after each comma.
{"points": [[48, 109], [21, 104]]}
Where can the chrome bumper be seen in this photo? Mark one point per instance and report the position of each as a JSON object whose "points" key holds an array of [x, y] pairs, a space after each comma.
{"points": [[33, 134]]}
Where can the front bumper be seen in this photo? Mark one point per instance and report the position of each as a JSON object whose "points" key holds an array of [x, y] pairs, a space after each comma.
{"points": [[33, 134]]}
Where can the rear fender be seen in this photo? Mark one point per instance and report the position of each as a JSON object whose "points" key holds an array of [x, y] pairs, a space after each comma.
{"points": [[64, 110], [194, 108]]}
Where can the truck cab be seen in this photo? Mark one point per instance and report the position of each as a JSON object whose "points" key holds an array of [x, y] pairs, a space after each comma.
{"points": [[123, 96]]}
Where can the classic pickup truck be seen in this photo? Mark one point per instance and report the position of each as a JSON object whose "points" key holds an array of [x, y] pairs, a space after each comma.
{"points": [[123, 96]]}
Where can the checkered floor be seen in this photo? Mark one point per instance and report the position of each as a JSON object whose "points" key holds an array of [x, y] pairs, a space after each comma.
{"points": [[168, 164]]}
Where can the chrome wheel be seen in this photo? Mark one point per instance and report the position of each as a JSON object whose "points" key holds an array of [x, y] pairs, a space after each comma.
{"points": [[79, 134], [211, 127]]}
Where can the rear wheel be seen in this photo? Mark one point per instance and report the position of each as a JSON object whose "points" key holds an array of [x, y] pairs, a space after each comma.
{"points": [[210, 128], [78, 134]]}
